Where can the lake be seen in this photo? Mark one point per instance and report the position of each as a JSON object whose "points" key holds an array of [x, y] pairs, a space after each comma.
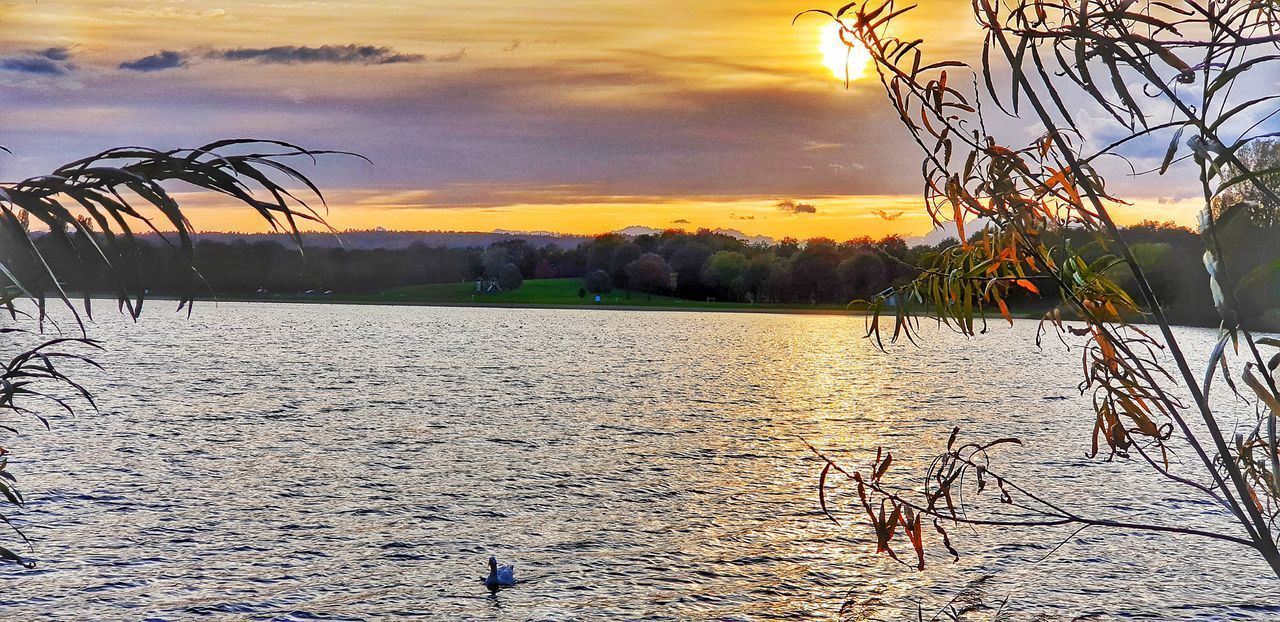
{"points": [[278, 461]]}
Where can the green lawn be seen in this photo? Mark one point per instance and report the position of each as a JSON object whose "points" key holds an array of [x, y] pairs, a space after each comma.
{"points": [[560, 292]]}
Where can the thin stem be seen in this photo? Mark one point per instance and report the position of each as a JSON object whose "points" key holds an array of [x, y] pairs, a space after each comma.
{"points": [[1263, 542]]}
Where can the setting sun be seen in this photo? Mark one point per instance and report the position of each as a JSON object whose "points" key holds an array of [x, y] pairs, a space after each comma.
{"points": [[845, 61]]}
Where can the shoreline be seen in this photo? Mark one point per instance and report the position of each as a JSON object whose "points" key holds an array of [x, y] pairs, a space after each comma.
{"points": [[693, 307]]}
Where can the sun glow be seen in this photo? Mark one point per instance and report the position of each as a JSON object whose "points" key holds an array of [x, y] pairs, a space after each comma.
{"points": [[845, 61]]}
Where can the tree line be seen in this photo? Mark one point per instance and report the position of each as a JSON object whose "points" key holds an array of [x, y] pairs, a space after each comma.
{"points": [[696, 265]]}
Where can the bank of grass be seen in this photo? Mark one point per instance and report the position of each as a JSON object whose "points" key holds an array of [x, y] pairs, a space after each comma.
{"points": [[559, 293], [563, 293]]}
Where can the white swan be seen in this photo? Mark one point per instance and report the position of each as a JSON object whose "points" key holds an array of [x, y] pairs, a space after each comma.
{"points": [[500, 576]]}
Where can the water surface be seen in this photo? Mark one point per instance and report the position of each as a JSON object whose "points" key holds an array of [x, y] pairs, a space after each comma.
{"points": [[275, 461]]}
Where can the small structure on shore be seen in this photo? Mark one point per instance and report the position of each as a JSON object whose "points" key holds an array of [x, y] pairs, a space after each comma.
{"points": [[488, 286]]}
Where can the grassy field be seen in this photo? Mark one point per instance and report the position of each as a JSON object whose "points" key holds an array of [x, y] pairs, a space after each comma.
{"points": [[556, 292]]}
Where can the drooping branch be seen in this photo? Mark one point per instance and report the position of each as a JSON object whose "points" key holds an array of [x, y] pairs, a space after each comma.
{"points": [[963, 469], [1049, 190], [93, 209]]}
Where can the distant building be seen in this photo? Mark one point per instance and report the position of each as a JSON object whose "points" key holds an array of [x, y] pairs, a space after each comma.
{"points": [[488, 286]]}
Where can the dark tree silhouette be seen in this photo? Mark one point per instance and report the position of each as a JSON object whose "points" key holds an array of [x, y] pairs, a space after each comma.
{"points": [[598, 282], [649, 273], [92, 209], [509, 277]]}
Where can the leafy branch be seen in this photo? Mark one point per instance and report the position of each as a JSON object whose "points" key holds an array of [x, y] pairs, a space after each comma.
{"points": [[93, 209], [1120, 55]]}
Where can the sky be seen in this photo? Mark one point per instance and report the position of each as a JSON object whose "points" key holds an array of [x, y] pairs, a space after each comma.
{"points": [[574, 116]]}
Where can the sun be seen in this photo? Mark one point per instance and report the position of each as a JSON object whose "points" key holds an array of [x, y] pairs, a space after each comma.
{"points": [[844, 61]]}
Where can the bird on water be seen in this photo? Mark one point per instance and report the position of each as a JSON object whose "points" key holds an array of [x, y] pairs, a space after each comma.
{"points": [[500, 576]]}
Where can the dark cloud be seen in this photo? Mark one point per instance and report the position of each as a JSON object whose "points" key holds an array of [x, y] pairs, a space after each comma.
{"points": [[289, 54], [887, 215], [333, 54], [165, 59], [570, 133], [33, 65], [451, 57], [797, 208], [46, 62], [55, 54], [680, 221]]}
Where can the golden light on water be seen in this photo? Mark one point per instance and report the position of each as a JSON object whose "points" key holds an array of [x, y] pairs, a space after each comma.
{"points": [[845, 61]]}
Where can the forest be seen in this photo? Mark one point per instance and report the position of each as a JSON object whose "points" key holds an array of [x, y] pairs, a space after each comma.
{"points": [[698, 265]]}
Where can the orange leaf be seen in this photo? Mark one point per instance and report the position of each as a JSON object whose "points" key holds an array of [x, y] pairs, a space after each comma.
{"points": [[1004, 310]]}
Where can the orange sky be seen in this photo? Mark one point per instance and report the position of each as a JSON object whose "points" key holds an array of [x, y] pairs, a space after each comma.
{"points": [[840, 218], [579, 116]]}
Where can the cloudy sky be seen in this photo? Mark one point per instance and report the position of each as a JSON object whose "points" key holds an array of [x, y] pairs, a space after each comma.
{"points": [[579, 116]]}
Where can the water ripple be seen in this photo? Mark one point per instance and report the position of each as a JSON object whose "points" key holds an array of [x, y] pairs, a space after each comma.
{"points": [[310, 462]]}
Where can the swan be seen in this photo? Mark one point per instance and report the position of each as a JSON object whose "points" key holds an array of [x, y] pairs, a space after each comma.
{"points": [[500, 576]]}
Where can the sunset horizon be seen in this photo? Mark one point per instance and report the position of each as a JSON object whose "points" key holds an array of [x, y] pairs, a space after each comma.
{"points": [[665, 310], [839, 218], [564, 119]]}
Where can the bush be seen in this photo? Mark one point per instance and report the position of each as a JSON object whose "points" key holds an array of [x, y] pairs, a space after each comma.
{"points": [[598, 282], [649, 273], [509, 277]]}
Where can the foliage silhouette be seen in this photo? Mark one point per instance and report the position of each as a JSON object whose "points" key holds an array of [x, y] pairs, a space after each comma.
{"points": [[94, 209], [1128, 60]]}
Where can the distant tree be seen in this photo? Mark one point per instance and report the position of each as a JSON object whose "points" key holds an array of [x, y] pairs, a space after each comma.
{"points": [[686, 260], [493, 259], [898, 258], [649, 273], [813, 270], [522, 254], [1262, 159], [778, 286], [544, 269], [601, 249], [758, 270], [726, 272], [1156, 260], [1253, 250], [647, 242], [509, 277], [622, 256], [582, 292], [598, 282], [863, 275]]}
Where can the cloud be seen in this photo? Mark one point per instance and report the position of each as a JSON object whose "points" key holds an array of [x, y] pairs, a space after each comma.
{"points": [[333, 54], [451, 57], [496, 194], [164, 59], [46, 62], [55, 54], [503, 137], [797, 208], [680, 221], [167, 13], [32, 65], [287, 55], [887, 215]]}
